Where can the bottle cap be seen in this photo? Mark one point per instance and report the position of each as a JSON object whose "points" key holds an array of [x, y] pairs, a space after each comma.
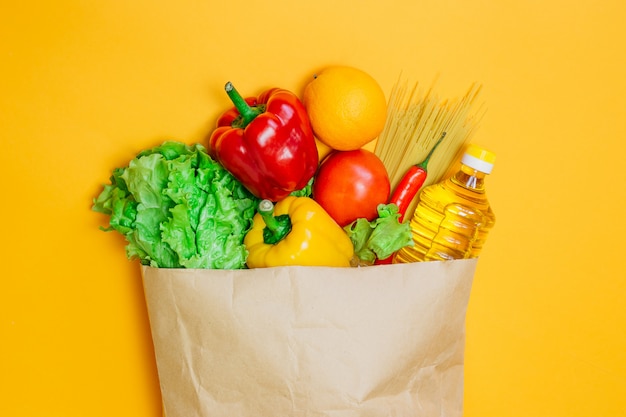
{"points": [[479, 158]]}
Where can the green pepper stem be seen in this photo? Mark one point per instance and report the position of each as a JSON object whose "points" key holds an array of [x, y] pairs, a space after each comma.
{"points": [[276, 228], [266, 210], [247, 112], [424, 163]]}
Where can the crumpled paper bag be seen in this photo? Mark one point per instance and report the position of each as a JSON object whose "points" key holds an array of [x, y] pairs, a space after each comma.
{"points": [[311, 341]]}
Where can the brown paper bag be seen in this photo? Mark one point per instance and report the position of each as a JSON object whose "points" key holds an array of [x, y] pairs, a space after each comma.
{"points": [[311, 341]]}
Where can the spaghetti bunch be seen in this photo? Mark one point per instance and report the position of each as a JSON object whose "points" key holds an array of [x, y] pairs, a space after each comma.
{"points": [[415, 121]]}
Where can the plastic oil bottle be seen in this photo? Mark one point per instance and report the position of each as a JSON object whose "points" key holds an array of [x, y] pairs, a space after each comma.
{"points": [[453, 217]]}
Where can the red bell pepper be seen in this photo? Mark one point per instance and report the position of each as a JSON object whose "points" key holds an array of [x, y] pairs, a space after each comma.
{"points": [[267, 143]]}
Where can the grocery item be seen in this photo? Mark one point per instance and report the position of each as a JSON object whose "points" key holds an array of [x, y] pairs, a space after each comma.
{"points": [[379, 238], [178, 208], [266, 143], [350, 185], [453, 217], [296, 231], [347, 107], [415, 121], [411, 182]]}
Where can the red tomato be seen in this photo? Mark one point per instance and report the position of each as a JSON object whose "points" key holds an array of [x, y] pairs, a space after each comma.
{"points": [[351, 184]]}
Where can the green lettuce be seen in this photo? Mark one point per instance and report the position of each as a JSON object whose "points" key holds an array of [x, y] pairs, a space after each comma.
{"points": [[179, 208], [381, 237], [306, 191]]}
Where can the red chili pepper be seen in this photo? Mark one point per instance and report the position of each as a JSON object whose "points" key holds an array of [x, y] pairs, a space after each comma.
{"points": [[407, 189], [267, 143], [411, 183], [388, 260]]}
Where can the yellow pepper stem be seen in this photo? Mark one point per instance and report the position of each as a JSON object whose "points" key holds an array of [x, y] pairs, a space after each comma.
{"points": [[276, 227]]}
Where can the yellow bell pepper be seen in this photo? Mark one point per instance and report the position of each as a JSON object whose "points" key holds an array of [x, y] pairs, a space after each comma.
{"points": [[296, 231]]}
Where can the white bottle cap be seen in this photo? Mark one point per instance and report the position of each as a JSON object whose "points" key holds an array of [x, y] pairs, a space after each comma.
{"points": [[479, 159]]}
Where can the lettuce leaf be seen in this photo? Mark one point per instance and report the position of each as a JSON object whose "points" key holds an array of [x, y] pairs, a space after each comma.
{"points": [[178, 208], [306, 191], [381, 237]]}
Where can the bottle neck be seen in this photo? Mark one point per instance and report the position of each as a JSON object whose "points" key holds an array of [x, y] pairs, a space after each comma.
{"points": [[470, 178]]}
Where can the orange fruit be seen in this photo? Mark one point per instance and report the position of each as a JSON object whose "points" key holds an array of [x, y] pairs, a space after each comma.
{"points": [[346, 106]]}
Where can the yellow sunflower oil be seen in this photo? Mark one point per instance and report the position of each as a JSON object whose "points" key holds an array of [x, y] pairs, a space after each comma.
{"points": [[453, 217]]}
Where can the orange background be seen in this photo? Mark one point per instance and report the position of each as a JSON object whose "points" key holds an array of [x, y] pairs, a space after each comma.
{"points": [[85, 85]]}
